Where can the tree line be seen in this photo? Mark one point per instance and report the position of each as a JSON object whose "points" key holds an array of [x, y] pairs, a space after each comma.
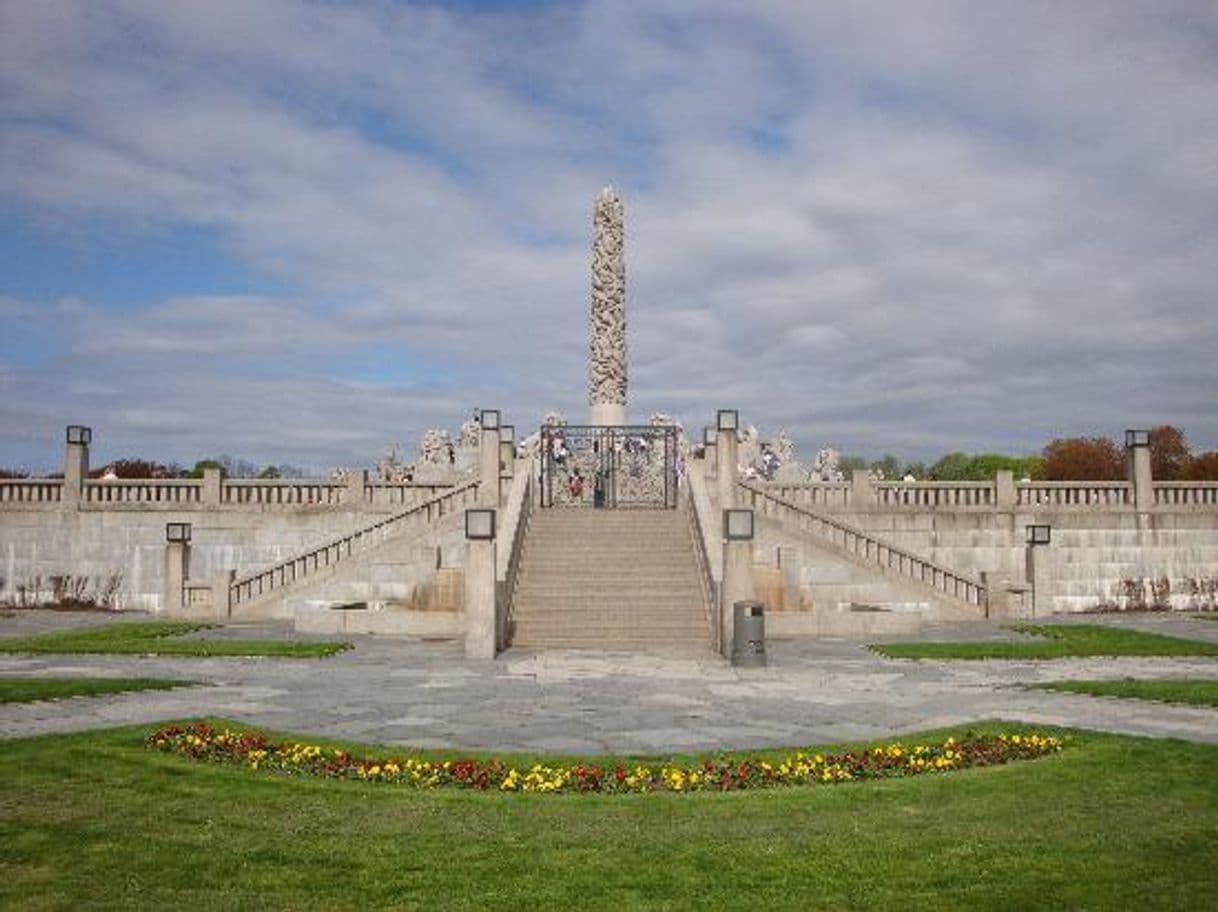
{"points": [[1061, 459]]}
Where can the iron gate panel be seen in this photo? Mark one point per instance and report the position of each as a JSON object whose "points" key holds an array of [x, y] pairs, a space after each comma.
{"points": [[610, 467]]}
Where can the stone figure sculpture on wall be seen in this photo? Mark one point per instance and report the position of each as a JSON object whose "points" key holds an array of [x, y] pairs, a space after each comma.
{"points": [[390, 470], [436, 448], [471, 433], [827, 466], [607, 349]]}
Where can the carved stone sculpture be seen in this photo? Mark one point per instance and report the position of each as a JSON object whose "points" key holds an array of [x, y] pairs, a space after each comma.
{"points": [[827, 466], [436, 448], [471, 433], [607, 350]]}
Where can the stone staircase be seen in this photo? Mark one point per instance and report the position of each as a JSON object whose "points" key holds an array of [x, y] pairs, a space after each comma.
{"points": [[610, 579]]}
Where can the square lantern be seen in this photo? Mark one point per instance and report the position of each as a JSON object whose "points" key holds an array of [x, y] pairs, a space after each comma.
{"points": [[1038, 535], [708, 436], [738, 525], [479, 524], [78, 433], [177, 532], [728, 419], [507, 433], [489, 419], [1137, 438]]}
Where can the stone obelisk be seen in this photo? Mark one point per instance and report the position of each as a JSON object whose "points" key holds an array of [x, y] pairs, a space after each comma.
{"points": [[607, 350]]}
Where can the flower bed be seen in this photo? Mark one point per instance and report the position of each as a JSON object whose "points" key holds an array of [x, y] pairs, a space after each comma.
{"points": [[720, 773]]}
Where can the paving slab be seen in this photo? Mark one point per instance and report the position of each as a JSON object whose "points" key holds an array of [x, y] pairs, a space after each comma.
{"points": [[418, 694]]}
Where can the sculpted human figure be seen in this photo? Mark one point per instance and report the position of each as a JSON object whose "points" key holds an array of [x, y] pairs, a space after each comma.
{"points": [[607, 348]]}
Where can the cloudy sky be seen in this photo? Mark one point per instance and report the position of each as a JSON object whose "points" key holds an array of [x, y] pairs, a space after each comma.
{"points": [[300, 232]]}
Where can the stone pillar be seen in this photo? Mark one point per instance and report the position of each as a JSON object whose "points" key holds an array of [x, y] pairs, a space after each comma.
{"points": [[213, 481], [710, 455], [726, 469], [177, 571], [481, 621], [1140, 476], [1039, 561], [75, 464], [507, 453], [738, 584], [607, 347], [997, 589], [220, 587], [357, 480], [1004, 491], [488, 467], [862, 490]]}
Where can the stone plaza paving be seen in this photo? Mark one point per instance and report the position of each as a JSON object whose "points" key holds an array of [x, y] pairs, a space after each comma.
{"points": [[426, 694]]}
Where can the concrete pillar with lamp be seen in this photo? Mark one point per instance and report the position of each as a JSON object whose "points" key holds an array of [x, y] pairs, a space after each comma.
{"points": [[1038, 556], [1137, 445], [75, 463], [488, 458], [481, 612], [738, 529], [727, 423], [177, 567]]}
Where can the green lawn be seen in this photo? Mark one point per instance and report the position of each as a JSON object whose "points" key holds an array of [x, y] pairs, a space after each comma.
{"points": [[98, 820], [1057, 641], [161, 638], [1165, 690], [28, 690]]}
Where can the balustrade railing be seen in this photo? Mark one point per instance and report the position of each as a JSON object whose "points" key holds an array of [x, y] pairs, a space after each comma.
{"points": [[142, 491], [698, 527], [31, 490], [866, 547], [518, 516], [932, 494], [394, 495], [1073, 494], [1186, 493], [297, 568], [812, 493], [260, 491]]}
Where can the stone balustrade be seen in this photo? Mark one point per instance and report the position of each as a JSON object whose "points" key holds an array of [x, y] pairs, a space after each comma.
{"points": [[1175, 494], [1072, 494], [174, 491], [295, 569], [990, 496], [935, 494], [866, 547], [263, 492], [812, 493], [31, 490]]}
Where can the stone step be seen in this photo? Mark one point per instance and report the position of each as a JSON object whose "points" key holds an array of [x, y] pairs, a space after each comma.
{"points": [[602, 583]]}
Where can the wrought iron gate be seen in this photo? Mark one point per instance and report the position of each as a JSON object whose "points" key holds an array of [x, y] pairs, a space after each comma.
{"points": [[609, 467]]}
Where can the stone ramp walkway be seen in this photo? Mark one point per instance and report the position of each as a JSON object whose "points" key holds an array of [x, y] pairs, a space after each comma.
{"points": [[428, 695]]}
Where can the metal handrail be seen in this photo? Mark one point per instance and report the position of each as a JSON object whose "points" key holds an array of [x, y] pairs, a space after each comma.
{"points": [[705, 578], [519, 538], [866, 547], [297, 568]]}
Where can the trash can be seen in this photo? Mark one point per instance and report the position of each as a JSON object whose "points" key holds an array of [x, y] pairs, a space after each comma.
{"points": [[748, 634]]}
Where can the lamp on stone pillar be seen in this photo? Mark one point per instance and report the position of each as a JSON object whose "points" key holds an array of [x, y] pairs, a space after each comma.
{"points": [[507, 450], [177, 566], [738, 529], [710, 451], [1137, 443], [75, 462], [481, 611], [727, 422], [1037, 538], [488, 458]]}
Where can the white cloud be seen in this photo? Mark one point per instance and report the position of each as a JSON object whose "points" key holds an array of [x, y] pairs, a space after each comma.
{"points": [[913, 228]]}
